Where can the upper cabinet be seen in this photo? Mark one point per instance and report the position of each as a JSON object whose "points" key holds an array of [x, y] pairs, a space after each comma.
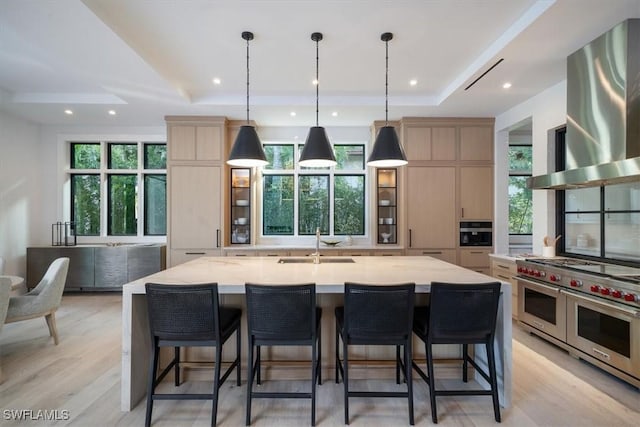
{"points": [[476, 193], [195, 138], [430, 143], [476, 143]]}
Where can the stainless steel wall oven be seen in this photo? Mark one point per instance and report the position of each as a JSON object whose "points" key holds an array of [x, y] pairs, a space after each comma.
{"points": [[590, 309]]}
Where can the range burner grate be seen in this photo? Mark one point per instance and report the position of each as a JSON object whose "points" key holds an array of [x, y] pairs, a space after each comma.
{"points": [[562, 262]]}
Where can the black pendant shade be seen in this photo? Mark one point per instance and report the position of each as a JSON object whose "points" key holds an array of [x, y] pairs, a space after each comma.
{"points": [[317, 151], [247, 150], [387, 151]]}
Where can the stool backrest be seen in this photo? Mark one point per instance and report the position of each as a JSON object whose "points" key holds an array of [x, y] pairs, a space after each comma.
{"points": [[375, 311], [183, 312], [283, 312], [463, 312]]}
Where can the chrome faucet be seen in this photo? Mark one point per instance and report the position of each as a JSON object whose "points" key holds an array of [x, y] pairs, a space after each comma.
{"points": [[316, 254]]}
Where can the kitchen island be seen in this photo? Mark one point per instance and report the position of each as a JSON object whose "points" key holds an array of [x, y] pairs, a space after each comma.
{"points": [[232, 273]]}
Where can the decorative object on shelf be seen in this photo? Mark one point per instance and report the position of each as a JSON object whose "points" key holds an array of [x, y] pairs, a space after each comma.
{"points": [[385, 237], [387, 150], [247, 149], [331, 242], [63, 234], [385, 202], [317, 150], [242, 203]]}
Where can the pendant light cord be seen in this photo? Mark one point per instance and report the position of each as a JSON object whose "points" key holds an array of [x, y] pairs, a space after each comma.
{"points": [[317, 80], [386, 84], [247, 81]]}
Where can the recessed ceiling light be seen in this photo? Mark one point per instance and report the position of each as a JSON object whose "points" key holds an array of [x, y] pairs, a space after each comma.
{"points": [[112, 112], [314, 82], [216, 81], [507, 85], [334, 114], [413, 82], [292, 114], [68, 112]]}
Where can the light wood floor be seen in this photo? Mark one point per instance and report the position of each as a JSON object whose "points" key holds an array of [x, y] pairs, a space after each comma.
{"points": [[82, 376]]}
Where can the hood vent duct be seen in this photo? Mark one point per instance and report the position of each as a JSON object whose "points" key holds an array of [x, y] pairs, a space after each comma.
{"points": [[603, 113]]}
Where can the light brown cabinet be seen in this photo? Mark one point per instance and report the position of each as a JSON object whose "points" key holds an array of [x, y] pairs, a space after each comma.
{"points": [[449, 179], [476, 193], [194, 196], [506, 271], [431, 204], [430, 143]]}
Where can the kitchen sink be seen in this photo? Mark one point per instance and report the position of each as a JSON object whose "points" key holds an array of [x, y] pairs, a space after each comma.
{"points": [[309, 260]]}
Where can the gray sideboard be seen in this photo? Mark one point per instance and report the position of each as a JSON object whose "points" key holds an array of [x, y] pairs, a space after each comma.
{"points": [[97, 268]]}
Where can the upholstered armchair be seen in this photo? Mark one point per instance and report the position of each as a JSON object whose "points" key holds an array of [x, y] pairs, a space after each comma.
{"points": [[5, 288], [43, 300]]}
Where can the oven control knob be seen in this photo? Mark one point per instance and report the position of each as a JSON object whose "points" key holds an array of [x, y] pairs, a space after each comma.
{"points": [[595, 288], [554, 278], [630, 297], [520, 269], [537, 273], [605, 291], [576, 283], [616, 293]]}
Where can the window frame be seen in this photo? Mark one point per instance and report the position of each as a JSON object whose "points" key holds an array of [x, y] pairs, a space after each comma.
{"points": [[519, 237], [299, 171], [65, 208]]}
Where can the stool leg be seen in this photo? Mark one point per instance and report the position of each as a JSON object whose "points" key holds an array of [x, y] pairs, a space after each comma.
{"points": [[250, 375], [314, 377], [258, 377], [494, 380], [151, 387], [238, 355], [432, 383], [216, 385], [408, 378], [176, 357], [319, 355], [397, 364], [337, 363], [465, 364], [345, 379]]}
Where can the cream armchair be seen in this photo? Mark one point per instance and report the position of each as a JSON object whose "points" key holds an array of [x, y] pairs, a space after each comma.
{"points": [[5, 288], [43, 300]]}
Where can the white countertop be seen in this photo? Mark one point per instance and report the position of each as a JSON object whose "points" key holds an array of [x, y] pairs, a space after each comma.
{"points": [[232, 273]]}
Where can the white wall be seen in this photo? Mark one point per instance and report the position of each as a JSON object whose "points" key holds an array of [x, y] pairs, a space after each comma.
{"points": [[20, 189], [547, 111]]}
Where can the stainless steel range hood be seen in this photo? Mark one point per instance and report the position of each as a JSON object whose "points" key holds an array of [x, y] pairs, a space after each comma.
{"points": [[603, 113]]}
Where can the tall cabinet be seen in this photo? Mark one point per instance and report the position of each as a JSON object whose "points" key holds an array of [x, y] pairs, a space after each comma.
{"points": [[449, 179], [195, 147]]}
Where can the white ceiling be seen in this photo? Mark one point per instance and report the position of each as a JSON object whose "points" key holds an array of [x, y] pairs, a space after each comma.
{"points": [[146, 59]]}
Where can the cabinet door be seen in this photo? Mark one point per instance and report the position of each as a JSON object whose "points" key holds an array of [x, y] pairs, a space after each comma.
{"points": [[195, 207], [182, 142], [208, 143], [476, 193], [476, 143], [431, 207], [430, 143]]}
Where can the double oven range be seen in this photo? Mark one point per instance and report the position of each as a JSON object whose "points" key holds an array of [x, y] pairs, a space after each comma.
{"points": [[590, 309]]}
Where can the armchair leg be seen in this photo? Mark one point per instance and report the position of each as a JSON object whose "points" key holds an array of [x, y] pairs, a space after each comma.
{"points": [[51, 324]]}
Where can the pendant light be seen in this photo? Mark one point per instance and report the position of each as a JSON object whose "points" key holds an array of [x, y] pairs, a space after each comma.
{"points": [[317, 150], [247, 150], [387, 151]]}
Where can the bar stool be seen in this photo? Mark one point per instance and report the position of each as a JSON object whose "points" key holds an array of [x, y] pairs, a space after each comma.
{"points": [[376, 315], [179, 316], [460, 314], [282, 315]]}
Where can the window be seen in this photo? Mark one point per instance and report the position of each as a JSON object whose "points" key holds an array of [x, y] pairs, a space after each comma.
{"points": [[520, 197], [118, 188], [296, 200]]}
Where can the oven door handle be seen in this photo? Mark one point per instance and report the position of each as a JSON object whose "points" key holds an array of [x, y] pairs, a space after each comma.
{"points": [[547, 287], [630, 312]]}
